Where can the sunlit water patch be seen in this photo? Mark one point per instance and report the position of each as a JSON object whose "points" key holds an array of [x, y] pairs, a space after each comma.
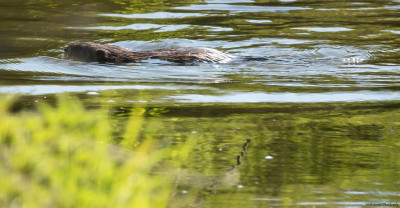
{"points": [[259, 97], [323, 29], [228, 1], [156, 15], [259, 21], [139, 26], [392, 31], [52, 89], [236, 9]]}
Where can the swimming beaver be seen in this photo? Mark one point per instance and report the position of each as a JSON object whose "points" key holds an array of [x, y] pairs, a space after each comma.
{"points": [[103, 53]]}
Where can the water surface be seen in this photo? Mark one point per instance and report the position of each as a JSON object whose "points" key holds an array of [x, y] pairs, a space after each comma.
{"points": [[321, 106]]}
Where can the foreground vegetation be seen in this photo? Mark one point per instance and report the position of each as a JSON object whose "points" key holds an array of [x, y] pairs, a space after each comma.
{"points": [[64, 157]]}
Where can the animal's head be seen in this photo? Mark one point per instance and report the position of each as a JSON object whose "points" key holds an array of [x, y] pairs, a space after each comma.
{"points": [[86, 51]]}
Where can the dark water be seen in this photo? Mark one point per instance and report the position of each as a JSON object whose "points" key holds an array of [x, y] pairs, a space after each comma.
{"points": [[322, 112]]}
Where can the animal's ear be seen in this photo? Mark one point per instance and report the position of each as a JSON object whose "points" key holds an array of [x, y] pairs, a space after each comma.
{"points": [[101, 55]]}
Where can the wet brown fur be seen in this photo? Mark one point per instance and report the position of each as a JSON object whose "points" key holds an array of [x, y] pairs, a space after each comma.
{"points": [[104, 53]]}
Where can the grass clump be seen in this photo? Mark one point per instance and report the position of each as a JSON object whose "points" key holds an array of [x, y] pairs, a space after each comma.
{"points": [[63, 157]]}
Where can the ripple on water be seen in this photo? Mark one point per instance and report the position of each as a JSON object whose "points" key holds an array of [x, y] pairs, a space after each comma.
{"points": [[145, 71], [259, 21], [156, 15], [137, 26], [288, 97], [65, 67], [228, 1], [392, 31], [323, 29], [91, 89], [235, 9], [155, 27]]}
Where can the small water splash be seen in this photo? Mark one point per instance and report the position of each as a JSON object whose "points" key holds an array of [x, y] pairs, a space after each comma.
{"points": [[354, 60]]}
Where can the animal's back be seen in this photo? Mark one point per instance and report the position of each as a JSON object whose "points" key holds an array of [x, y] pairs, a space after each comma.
{"points": [[110, 53], [189, 54]]}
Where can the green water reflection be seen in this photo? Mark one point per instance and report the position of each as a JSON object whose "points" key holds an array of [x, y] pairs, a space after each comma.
{"points": [[328, 155]]}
